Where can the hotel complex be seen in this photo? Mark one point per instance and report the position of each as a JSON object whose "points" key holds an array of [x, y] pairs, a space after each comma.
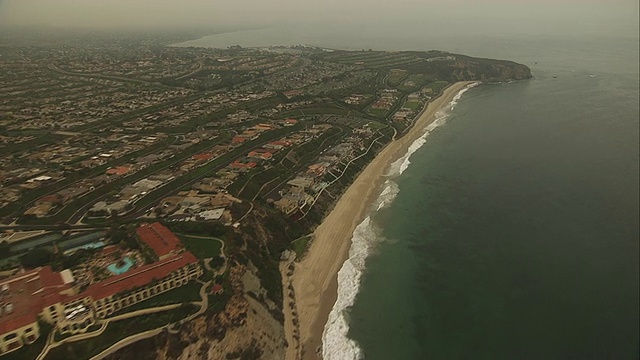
{"points": [[45, 295]]}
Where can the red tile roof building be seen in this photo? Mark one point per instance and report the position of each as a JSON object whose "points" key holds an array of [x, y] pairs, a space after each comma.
{"points": [[280, 144], [52, 199], [119, 170], [22, 298], [139, 276], [160, 239], [239, 139], [217, 289], [52, 296], [260, 154], [242, 165], [203, 156]]}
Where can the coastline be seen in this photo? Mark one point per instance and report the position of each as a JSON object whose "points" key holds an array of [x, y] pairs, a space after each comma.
{"points": [[315, 277]]}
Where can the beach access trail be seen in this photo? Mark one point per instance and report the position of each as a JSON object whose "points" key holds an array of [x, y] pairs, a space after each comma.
{"points": [[315, 277]]}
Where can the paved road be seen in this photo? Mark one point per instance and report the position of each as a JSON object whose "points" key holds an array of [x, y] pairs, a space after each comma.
{"points": [[144, 312], [128, 341], [79, 214], [142, 210], [200, 67], [52, 343], [204, 304], [101, 76]]}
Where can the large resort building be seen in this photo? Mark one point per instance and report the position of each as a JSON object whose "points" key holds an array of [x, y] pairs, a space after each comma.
{"points": [[45, 295]]}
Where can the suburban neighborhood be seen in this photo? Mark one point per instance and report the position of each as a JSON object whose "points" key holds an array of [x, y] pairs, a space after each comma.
{"points": [[147, 189]]}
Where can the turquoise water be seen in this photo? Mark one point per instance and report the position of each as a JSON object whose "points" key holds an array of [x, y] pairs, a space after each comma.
{"points": [[93, 245], [128, 263]]}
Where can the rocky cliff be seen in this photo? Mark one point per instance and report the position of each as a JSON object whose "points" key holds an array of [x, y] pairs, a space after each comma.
{"points": [[247, 322], [454, 67], [246, 329]]}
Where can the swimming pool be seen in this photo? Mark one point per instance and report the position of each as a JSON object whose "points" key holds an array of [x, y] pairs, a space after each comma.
{"points": [[127, 263], [93, 245]]}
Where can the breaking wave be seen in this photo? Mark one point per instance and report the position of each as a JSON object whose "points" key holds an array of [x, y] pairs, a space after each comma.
{"points": [[402, 164], [387, 196], [336, 345]]}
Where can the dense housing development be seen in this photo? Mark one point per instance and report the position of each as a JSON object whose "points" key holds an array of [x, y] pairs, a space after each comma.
{"points": [[152, 191]]}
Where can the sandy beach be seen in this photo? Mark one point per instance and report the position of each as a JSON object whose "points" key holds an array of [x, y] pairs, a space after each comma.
{"points": [[315, 277]]}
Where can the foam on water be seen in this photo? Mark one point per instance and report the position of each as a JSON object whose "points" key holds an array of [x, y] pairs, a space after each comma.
{"points": [[336, 345], [389, 193], [400, 165], [454, 102]]}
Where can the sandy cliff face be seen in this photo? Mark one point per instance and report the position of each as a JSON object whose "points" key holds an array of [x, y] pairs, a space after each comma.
{"points": [[251, 332], [245, 329]]}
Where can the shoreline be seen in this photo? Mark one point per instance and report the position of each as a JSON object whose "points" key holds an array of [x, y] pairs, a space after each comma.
{"points": [[315, 278]]}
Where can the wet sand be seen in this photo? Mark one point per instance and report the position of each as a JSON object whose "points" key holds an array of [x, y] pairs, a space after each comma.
{"points": [[315, 277]]}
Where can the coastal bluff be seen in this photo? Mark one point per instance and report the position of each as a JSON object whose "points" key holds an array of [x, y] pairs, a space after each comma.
{"points": [[220, 188], [456, 67], [283, 317]]}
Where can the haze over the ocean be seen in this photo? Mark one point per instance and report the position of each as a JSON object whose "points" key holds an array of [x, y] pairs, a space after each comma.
{"points": [[459, 16], [513, 233]]}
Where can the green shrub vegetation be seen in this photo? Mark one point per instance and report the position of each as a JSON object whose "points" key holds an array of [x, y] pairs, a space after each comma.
{"points": [[190, 292], [117, 331], [300, 245], [201, 247]]}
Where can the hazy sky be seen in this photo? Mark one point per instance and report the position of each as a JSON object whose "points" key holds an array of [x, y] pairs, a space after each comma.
{"points": [[509, 14]]}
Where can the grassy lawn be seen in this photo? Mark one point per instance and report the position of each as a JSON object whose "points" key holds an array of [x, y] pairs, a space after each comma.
{"points": [[413, 105], [367, 98], [377, 125], [395, 78], [309, 151], [413, 83], [375, 58], [315, 111], [263, 178], [201, 248], [243, 179], [379, 113], [360, 56], [117, 331], [300, 245], [57, 336], [437, 86], [394, 63]]}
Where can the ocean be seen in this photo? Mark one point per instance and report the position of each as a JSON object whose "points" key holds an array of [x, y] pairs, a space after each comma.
{"points": [[513, 231], [510, 230]]}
